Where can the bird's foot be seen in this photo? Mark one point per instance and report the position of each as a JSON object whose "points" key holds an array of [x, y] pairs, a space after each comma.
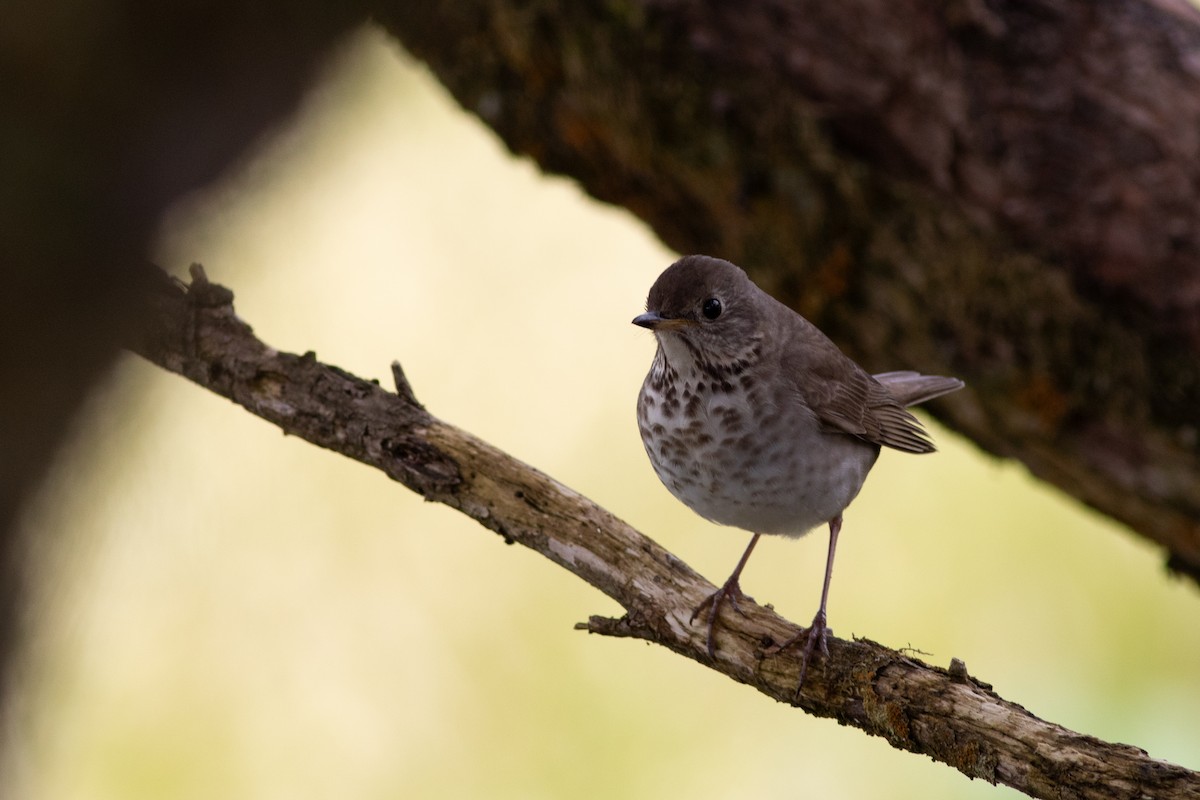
{"points": [[729, 593], [814, 635]]}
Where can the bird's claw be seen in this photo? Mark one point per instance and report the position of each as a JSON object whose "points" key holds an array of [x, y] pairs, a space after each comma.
{"points": [[814, 635], [729, 593]]}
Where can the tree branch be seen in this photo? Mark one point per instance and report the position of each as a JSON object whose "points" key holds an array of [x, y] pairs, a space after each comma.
{"points": [[942, 713]]}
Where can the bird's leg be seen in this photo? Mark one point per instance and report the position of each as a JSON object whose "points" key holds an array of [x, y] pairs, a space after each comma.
{"points": [[818, 632], [730, 592]]}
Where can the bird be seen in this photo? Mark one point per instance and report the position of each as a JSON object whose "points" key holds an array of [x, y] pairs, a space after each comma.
{"points": [[753, 418]]}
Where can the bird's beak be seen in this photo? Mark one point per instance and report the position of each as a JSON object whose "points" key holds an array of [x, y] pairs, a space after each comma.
{"points": [[657, 322]]}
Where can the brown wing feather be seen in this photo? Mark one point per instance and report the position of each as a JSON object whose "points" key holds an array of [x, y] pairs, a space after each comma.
{"points": [[860, 406], [848, 400]]}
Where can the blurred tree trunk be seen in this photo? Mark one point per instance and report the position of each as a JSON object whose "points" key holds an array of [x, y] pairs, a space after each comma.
{"points": [[1005, 191], [110, 111]]}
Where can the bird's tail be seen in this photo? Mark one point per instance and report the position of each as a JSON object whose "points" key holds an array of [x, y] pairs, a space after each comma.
{"points": [[911, 388]]}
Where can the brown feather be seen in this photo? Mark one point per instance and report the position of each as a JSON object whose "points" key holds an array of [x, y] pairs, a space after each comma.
{"points": [[846, 399]]}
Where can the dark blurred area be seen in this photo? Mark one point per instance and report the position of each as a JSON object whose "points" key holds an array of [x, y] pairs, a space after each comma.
{"points": [[110, 112]]}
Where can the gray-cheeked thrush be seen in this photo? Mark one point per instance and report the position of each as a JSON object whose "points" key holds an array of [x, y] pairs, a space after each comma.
{"points": [[754, 418]]}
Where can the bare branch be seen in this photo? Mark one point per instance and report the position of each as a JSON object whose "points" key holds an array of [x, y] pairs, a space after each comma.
{"points": [[944, 714]]}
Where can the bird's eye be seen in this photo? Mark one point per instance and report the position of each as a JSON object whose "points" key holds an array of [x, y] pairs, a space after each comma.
{"points": [[711, 308]]}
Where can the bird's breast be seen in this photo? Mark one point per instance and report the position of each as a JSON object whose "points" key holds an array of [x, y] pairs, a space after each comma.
{"points": [[739, 454]]}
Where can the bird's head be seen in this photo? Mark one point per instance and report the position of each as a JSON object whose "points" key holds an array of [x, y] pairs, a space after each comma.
{"points": [[706, 310]]}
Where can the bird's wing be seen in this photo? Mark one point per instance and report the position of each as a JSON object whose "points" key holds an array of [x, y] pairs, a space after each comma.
{"points": [[847, 400]]}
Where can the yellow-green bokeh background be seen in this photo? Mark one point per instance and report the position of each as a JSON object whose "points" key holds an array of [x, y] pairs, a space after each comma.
{"points": [[229, 613]]}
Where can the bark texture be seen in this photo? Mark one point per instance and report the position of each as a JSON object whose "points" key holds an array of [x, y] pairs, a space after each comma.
{"points": [[943, 713], [1003, 191]]}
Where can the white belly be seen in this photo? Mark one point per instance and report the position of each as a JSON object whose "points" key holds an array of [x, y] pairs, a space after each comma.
{"points": [[755, 465]]}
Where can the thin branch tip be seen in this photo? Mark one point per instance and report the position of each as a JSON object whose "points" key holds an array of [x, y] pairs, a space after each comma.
{"points": [[608, 626], [403, 387], [203, 293]]}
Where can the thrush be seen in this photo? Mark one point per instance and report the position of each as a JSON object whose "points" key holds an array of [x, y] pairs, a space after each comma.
{"points": [[753, 418]]}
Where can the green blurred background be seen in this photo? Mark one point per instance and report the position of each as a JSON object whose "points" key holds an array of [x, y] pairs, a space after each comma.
{"points": [[226, 612]]}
